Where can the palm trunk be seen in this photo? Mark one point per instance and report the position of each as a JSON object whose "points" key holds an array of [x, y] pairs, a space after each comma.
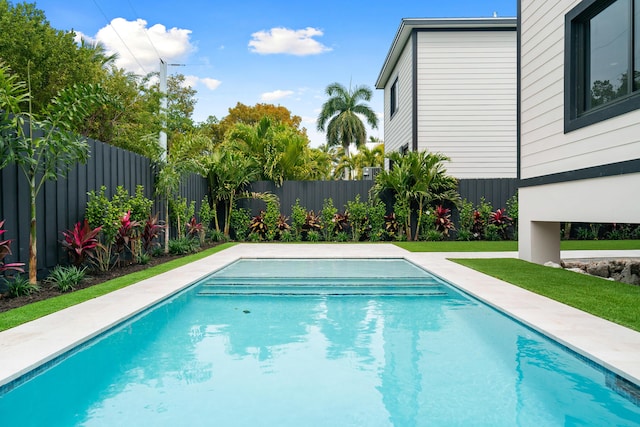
{"points": [[33, 238], [347, 170], [419, 219], [227, 222]]}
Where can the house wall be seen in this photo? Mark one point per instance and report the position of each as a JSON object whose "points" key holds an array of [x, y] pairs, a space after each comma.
{"points": [[566, 176], [467, 100], [398, 129]]}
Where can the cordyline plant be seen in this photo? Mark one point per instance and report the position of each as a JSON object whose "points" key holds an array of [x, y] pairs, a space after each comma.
{"points": [[151, 233], [194, 228], [127, 234], [5, 249], [81, 242], [442, 220], [500, 219], [43, 145]]}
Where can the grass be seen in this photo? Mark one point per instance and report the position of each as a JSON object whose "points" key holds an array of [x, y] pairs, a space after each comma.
{"points": [[502, 246], [17, 316], [614, 301]]}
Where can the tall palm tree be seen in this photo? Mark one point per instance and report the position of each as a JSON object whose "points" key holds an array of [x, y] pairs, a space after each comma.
{"points": [[340, 116]]}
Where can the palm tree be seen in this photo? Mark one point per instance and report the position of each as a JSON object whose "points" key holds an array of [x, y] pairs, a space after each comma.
{"points": [[341, 113]]}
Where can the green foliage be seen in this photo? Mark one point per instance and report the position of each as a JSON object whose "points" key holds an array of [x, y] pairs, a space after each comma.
{"points": [[326, 218], [183, 246], [217, 236], [402, 215], [5, 249], [179, 213], [239, 223], [512, 209], [287, 237], [139, 205], [313, 236], [492, 233], [465, 222], [66, 279], [376, 214], [205, 213], [340, 116], [358, 216], [258, 227], [298, 217], [271, 220], [342, 236], [254, 237], [101, 212], [20, 286], [151, 234]]}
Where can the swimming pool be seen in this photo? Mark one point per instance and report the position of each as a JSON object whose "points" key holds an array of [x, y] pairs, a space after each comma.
{"points": [[385, 344]]}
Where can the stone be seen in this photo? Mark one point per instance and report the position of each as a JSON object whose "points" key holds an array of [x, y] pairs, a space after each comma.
{"points": [[600, 269]]}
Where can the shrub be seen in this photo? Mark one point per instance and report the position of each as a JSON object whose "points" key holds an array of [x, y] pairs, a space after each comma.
{"points": [[128, 235], [313, 236], [376, 212], [81, 242], [358, 217], [340, 222], [492, 233], [151, 233], [258, 227], [179, 212], [205, 213], [239, 222], [466, 220], [501, 221], [342, 237], [442, 220], [194, 230], [287, 236], [272, 219], [298, 216], [254, 237], [183, 246], [217, 236], [282, 226], [326, 218], [311, 222], [391, 226], [101, 212], [66, 278], [20, 286], [5, 249], [139, 205]]}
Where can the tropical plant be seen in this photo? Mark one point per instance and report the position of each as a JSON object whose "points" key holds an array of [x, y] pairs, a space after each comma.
{"points": [[340, 222], [239, 223], [151, 233], [326, 216], [5, 249], [20, 286], [258, 226], [66, 279], [298, 217], [442, 219], [501, 221], [417, 179], [358, 216], [391, 226], [81, 242], [194, 229], [340, 116], [282, 226], [42, 145], [127, 236], [312, 222], [183, 246]]}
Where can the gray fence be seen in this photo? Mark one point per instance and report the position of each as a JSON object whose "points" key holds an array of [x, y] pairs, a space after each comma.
{"points": [[313, 193], [62, 203]]}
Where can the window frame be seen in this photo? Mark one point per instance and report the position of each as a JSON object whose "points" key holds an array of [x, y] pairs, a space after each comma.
{"points": [[575, 66], [393, 98]]}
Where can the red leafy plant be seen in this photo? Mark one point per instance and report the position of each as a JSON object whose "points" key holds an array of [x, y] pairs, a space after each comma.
{"points": [[5, 249], [500, 219], [80, 242], [194, 228], [127, 233], [151, 232], [258, 226], [443, 221], [340, 222], [478, 225]]}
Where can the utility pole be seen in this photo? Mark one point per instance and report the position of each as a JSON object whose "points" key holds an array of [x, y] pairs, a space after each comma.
{"points": [[163, 109]]}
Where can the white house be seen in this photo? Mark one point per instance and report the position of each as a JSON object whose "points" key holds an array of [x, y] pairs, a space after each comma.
{"points": [[579, 118], [450, 87]]}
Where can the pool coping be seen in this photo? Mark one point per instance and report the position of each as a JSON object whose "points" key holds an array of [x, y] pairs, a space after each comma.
{"points": [[615, 347]]}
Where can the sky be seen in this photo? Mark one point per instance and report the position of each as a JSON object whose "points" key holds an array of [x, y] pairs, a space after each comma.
{"points": [[278, 52]]}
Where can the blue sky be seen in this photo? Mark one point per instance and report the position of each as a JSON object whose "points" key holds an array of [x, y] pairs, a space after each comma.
{"points": [[279, 52]]}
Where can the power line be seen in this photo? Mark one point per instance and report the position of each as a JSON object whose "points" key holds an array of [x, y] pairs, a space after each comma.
{"points": [[146, 33], [118, 34]]}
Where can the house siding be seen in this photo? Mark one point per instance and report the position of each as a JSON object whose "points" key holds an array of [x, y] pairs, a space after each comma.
{"points": [[545, 148], [398, 129], [467, 100]]}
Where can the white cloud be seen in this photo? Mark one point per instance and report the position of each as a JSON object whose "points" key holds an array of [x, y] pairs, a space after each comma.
{"points": [[139, 47], [284, 40], [209, 83], [275, 95]]}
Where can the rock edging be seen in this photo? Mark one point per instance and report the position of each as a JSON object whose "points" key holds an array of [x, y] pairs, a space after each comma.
{"points": [[620, 270]]}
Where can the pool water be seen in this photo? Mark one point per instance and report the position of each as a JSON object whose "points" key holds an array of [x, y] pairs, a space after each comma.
{"points": [[320, 343]]}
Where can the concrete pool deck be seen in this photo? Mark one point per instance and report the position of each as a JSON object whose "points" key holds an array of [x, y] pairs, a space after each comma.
{"points": [[617, 348]]}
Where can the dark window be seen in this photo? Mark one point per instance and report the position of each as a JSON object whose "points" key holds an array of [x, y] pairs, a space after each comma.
{"points": [[602, 61], [393, 97]]}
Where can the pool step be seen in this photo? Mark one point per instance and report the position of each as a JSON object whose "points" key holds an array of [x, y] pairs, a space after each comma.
{"points": [[323, 281], [300, 290]]}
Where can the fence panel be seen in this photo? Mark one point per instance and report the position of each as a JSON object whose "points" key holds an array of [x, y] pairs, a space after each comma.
{"points": [[62, 203]]}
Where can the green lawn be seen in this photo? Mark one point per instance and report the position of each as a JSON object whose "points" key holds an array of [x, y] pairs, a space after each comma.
{"points": [[614, 301], [24, 314]]}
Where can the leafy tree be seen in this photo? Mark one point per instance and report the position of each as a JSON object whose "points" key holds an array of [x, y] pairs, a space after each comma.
{"points": [[43, 146], [417, 179], [49, 58], [340, 116]]}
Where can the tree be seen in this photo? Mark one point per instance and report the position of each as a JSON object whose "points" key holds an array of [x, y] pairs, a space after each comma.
{"points": [[43, 146], [418, 179], [340, 115], [52, 58]]}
